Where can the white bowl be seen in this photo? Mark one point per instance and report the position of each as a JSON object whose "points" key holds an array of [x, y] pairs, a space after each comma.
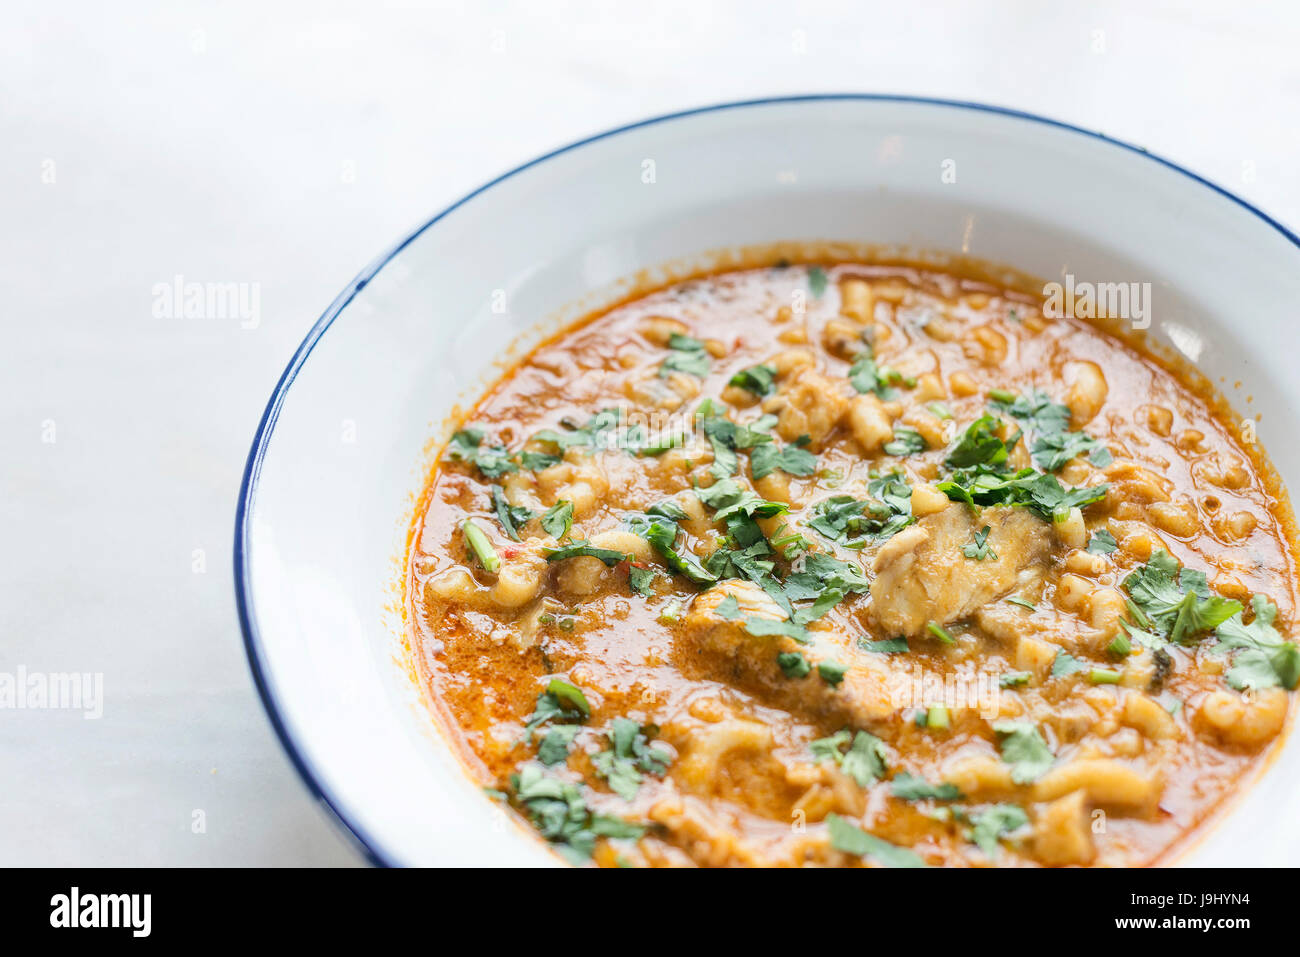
{"points": [[344, 444]]}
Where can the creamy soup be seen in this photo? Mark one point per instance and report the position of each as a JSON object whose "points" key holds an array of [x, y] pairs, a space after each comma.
{"points": [[854, 565]]}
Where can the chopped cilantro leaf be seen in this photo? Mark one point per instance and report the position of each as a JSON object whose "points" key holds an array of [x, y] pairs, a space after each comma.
{"points": [[668, 509], [555, 745], [979, 445], [729, 498], [767, 458], [995, 822], [683, 343], [866, 375], [1102, 543], [492, 460], [832, 672], [579, 548], [1175, 602], [905, 442], [820, 572], [536, 461], [641, 580], [765, 627], [559, 812], [1038, 491], [828, 749], [464, 444], [595, 431], [1023, 748], [1037, 410], [886, 646], [558, 519], [1054, 444], [1065, 664], [864, 761], [629, 757], [510, 516], [848, 521], [1264, 658], [850, 839], [979, 549], [756, 379], [728, 608], [721, 433], [793, 664], [909, 788], [688, 355], [1051, 452], [560, 700], [663, 536]]}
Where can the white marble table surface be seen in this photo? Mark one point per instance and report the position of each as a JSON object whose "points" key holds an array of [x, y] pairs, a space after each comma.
{"points": [[285, 144]]}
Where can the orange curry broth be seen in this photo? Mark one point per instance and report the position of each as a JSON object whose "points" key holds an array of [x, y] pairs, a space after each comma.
{"points": [[1137, 766]]}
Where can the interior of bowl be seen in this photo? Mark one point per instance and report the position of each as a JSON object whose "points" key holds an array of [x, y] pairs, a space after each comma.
{"points": [[345, 444]]}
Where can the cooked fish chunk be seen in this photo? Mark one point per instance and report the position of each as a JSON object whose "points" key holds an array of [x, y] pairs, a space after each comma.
{"points": [[751, 600], [712, 646], [1012, 624], [922, 574]]}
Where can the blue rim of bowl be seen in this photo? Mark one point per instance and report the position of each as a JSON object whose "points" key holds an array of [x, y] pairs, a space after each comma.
{"points": [[248, 487]]}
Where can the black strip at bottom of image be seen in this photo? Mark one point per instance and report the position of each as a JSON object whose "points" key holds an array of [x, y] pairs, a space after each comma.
{"points": [[239, 905]]}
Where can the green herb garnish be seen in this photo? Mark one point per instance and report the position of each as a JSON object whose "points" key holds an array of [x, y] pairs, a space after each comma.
{"points": [[1264, 658], [510, 516], [559, 811], [793, 664], [863, 761], [1023, 748], [579, 548], [996, 822], [629, 756], [757, 379], [906, 441], [688, 355], [1102, 543], [558, 519], [979, 549], [850, 839], [1176, 603], [909, 788], [480, 547]]}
